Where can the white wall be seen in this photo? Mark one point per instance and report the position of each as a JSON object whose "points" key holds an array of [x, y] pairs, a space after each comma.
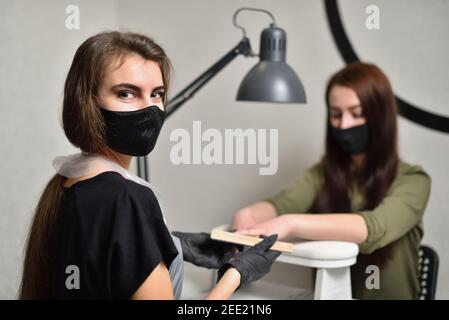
{"points": [[36, 51]]}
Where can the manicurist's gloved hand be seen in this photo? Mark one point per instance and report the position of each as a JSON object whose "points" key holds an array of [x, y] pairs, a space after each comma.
{"points": [[202, 251], [253, 262]]}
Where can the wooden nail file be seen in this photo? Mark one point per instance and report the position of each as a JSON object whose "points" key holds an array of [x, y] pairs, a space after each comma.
{"points": [[249, 240]]}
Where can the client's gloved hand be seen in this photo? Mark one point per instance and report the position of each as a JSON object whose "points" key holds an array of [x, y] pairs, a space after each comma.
{"points": [[254, 262], [202, 251]]}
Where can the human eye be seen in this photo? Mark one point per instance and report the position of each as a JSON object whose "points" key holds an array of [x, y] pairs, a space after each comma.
{"points": [[126, 95], [158, 94], [335, 113], [358, 113]]}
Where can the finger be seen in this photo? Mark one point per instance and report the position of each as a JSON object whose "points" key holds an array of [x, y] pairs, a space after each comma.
{"points": [[267, 242], [272, 255]]}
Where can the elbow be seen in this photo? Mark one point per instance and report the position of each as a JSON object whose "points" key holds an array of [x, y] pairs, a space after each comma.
{"points": [[366, 249], [361, 234], [369, 243]]}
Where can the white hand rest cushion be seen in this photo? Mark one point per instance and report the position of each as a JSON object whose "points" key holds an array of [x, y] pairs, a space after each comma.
{"points": [[318, 250]]}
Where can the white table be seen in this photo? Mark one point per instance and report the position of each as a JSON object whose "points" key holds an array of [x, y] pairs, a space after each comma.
{"points": [[332, 259]]}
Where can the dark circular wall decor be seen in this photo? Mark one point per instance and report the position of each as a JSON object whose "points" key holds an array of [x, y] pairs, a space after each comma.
{"points": [[407, 110]]}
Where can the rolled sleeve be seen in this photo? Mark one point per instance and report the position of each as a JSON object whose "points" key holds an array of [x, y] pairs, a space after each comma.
{"points": [[400, 211]]}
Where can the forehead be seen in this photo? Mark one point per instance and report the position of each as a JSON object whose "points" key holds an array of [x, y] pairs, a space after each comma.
{"points": [[135, 70], [343, 97]]}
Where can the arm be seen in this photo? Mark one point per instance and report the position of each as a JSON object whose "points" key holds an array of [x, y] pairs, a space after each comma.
{"points": [[253, 214], [340, 227], [298, 197], [398, 213], [246, 266], [160, 279], [224, 289]]}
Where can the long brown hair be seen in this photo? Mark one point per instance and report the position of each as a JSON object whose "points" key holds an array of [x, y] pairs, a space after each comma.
{"points": [[381, 155], [85, 129]]}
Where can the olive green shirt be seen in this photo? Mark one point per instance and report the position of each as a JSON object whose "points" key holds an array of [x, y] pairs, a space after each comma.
{"points": [[396, 222]]}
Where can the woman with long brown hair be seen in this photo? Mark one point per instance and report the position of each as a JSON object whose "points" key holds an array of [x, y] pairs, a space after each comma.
{"points": [[364, 193], [99, 231]]}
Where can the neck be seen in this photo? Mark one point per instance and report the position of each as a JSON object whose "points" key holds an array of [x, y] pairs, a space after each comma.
{"points": [[125, 161], [122, 159]]}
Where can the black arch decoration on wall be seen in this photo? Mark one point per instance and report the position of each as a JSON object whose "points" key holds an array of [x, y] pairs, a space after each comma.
{"points": [[407, 110]]}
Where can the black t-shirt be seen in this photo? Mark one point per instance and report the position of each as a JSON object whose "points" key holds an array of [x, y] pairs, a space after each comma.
{"points": [[112, 230]]}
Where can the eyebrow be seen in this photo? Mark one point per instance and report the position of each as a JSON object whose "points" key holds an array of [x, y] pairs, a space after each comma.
{"points": [[350, 108], [134, 87]]}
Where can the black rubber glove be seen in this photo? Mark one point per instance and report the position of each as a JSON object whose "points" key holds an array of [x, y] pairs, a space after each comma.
{"points": [[202, 251], [253, 262]]}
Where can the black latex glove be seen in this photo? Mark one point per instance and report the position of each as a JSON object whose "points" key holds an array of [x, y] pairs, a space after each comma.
{"points": [[202, 251], [254, 262]]}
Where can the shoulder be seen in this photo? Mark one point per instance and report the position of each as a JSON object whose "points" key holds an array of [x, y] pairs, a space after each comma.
{"points": [[407, 170], [312, 176], [411, 178], [315, 171], [109, 192]]}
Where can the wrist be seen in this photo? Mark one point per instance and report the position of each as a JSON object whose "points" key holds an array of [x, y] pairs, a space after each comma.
{"points": [[234, 277], [230, 275], [292, 222], [234, 274], [226, 285]]}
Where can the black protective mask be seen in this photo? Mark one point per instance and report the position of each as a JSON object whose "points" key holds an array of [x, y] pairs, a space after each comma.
{"points": [[133, 132], [352, 140]]}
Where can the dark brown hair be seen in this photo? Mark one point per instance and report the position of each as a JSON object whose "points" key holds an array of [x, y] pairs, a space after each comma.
{"points": [[84, 128], [381, 156]]}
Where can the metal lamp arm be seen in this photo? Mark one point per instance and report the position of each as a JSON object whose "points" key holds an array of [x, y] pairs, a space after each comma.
{"points": [[243, 47]]}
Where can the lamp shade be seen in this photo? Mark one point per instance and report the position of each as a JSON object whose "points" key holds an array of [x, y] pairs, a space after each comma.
{"points": [[272, 79]]}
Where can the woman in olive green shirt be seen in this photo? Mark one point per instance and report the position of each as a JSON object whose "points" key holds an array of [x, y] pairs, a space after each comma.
{"points": [[361, 189]]}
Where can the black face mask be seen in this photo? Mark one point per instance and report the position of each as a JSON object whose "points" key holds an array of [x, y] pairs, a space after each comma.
{"points": [[352, 140], [133, 132]]}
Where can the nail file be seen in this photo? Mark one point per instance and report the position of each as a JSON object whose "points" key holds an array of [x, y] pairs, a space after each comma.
{"points": [[249, 240]]}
